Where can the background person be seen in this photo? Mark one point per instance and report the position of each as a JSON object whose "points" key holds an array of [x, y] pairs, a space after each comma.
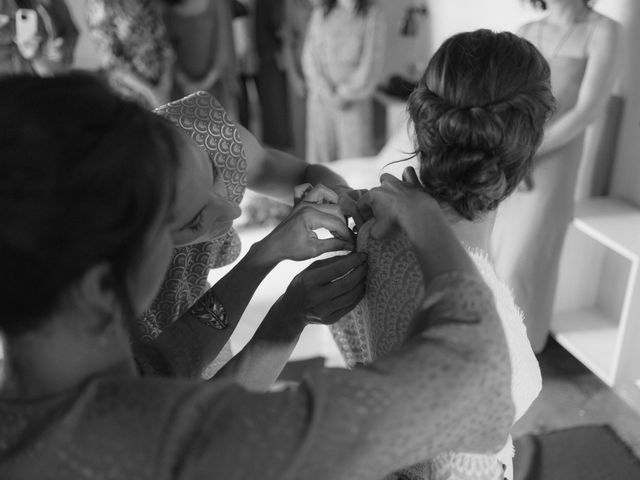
{"points": [[342, 62], [477, 117], [580, 46]]}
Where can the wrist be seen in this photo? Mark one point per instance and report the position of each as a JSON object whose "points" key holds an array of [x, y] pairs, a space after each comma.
{"points": [[263, 255], [318, 173], [281, 324]]}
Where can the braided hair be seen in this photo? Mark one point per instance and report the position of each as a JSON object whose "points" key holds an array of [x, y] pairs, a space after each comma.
{"points": [[479, 112]]}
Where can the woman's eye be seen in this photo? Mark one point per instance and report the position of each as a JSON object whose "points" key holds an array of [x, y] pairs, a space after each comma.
{"points": [[197, 225]]}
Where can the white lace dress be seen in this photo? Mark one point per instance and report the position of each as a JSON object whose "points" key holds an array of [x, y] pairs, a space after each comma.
{"points": [[380, 322]]}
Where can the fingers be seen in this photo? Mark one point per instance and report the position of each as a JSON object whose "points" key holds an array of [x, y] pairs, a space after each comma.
{"points": [[388, 178], [299, 191], [314, 194], [339, 306], [326, 216], [410, 176], [334, 286], [327, 270], [331, 245], [349, 205]]}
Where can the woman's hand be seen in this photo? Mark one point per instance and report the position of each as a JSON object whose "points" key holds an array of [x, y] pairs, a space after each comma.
{"points": [[348, 202], [295, 237], [346, 198], [322, 293], [397, 203], [318, 194]]}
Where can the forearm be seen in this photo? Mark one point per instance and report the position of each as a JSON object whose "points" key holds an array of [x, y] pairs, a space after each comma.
{"points": [[280, 172], [448, 390], [567, 128], [321, 174], [257, 366], [195, 339]]}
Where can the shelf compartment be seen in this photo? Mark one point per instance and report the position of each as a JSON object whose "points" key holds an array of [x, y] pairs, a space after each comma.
{"points": [[591, 337], [597, 283]]}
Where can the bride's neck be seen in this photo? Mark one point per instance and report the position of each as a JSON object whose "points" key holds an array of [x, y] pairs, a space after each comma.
{"points": [[475, 234], [567, 12]]}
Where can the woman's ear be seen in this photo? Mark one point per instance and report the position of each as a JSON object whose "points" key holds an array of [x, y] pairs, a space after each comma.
{"points": [[95, 295]]}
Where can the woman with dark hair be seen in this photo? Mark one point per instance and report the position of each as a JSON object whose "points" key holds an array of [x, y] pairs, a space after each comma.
{"points": [[478, 113], [93, 218], [342, 62], [580, 46]]}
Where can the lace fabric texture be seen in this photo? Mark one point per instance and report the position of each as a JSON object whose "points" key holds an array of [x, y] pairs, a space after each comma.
{"points": [[379, 324]]}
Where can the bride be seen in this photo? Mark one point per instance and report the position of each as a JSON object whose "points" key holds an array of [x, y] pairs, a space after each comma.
{"points": [[478, 112]]}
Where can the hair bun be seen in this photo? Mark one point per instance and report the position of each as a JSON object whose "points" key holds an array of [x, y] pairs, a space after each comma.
{"points": [[479, 112]]}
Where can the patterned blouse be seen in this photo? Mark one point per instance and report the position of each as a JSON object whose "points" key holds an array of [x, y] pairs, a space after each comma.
{"points": [[448, 389], [206, 122]]}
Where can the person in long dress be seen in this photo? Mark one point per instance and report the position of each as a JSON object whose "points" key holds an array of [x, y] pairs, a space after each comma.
{"points": [[580, 46], [201, 33], [297, 14], [342, 61], [477, 117], [271, 81], [89, 200]]}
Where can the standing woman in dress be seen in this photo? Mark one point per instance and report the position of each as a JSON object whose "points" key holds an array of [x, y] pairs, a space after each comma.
{"points": [[297, 14], [579, 44], [342, 62], [201, 33]]}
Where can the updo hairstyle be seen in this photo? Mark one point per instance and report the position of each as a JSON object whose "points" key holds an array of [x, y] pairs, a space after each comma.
{"points": [[479, 112], [83, 176]]}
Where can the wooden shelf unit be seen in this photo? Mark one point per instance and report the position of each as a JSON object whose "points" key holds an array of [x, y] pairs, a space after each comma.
{"points": [[597, 309]]}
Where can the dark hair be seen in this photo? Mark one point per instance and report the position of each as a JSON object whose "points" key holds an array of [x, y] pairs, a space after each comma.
{"points": [[83, 176], [479, 111], [362, 6], [541, 4]]}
